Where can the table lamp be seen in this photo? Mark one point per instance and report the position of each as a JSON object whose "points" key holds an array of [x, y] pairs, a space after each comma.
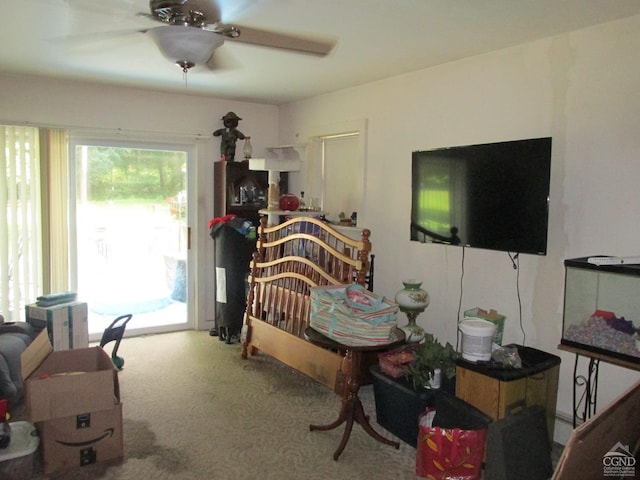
{"points": [[412, 300]]}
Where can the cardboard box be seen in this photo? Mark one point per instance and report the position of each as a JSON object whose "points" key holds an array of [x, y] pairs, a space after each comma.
{"points": [[81, 440], [605, 445], [55, 320], [67, 383], [67, 323], [79, 325]]}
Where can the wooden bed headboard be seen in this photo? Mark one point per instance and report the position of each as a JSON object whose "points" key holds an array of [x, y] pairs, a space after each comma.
{"points": [[291, 258]]}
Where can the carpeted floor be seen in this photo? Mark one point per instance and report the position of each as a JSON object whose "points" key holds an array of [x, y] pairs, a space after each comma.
{"points": [[193, 409]]}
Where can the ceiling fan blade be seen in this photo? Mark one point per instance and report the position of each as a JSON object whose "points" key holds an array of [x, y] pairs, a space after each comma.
{"points": [[121, 8], [319, 46], [91, 40]]}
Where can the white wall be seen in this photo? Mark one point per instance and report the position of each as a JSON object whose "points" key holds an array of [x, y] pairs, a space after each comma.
{"points": [[579, 88], [141, 114]]}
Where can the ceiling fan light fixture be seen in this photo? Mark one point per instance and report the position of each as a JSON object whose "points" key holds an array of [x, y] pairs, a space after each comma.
{"points": [[185, 45], [185, 65]]}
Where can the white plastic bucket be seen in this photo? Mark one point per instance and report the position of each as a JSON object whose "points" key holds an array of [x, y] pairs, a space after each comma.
{"points": [[477, 337]]}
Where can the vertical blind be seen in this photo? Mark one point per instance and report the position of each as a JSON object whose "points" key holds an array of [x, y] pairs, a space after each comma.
{"points": [[20, 242], [55, 209]]}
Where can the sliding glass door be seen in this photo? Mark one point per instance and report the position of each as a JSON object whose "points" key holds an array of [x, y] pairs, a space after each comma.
{"points": [[131, 234]]}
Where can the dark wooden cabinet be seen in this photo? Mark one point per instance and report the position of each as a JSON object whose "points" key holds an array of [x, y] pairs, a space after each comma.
{"points": [[501, 392], [241, 191], [238, 190]]}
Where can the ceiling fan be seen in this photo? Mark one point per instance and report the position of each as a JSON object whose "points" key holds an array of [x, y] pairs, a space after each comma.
{"points": [[192, 31]]}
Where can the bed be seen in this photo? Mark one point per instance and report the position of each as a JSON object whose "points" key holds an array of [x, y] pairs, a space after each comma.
{"points": [[291, 258]]}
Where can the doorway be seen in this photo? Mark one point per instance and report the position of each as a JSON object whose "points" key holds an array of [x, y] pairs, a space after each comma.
{"points": [[130, 215]]}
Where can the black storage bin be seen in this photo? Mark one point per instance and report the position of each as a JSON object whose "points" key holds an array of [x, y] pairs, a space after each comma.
{"points": [[453, 412], [398, 405], [233, 253]]}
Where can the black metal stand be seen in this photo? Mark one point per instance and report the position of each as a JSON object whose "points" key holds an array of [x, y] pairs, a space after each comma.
{"points": [[585, 406]]}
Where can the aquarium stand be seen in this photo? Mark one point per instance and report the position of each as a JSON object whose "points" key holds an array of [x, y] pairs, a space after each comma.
{"points": [[584, 404]]}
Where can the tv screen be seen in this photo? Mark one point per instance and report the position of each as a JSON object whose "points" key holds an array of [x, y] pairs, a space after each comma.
{"points": [[493, 196]]}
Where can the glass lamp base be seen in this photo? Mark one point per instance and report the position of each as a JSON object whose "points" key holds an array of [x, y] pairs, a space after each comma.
{"points": [[413, 332]]}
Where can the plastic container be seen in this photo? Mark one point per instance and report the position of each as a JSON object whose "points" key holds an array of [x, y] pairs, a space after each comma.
{"points": [[477, 338], [17, 461], [5, 434], [398, 405], [453, 412], [492, 316]]}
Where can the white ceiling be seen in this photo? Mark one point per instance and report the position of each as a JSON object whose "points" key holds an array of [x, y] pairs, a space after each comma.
{"points": [[100, 40]]}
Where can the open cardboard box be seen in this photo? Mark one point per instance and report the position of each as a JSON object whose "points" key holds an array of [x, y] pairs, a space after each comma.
{"points": [[607, 445], [82, 440], [73, 397], [67, 383]]}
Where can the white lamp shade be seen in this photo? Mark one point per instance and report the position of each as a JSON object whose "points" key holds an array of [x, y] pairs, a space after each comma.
{"points": [[180, 43]]}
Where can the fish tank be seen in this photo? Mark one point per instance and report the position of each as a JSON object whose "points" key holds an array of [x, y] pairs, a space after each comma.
{"points": [[602, 309]]}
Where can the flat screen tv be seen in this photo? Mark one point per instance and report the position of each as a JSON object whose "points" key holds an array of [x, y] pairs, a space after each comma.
{"points": [[493, 196]]}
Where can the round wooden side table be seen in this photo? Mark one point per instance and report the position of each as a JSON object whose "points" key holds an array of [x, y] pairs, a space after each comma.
{"points": [[351, 410]]}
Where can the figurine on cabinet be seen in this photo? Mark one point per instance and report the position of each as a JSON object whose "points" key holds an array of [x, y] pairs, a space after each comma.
{"points": [[230, 135]]}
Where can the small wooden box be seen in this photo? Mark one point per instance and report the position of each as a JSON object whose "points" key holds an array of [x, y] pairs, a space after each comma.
{"points": [[499, 392]]}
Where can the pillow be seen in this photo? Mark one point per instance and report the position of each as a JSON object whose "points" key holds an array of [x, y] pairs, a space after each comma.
{"points": [[11, 347], [8, 389]]}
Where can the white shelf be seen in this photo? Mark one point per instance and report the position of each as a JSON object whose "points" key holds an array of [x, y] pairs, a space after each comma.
{"points": [[296, 146], [352, 232], [288, 152], [290, 213], [274, 164]]}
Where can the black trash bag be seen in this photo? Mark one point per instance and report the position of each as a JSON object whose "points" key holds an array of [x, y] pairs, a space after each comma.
{"points": [[233, 252]]}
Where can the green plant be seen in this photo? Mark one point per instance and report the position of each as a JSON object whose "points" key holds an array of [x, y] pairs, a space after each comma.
{"points": [[431, 355]]}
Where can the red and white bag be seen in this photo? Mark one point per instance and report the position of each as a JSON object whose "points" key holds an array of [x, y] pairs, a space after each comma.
{"points": [[449, 453]]}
